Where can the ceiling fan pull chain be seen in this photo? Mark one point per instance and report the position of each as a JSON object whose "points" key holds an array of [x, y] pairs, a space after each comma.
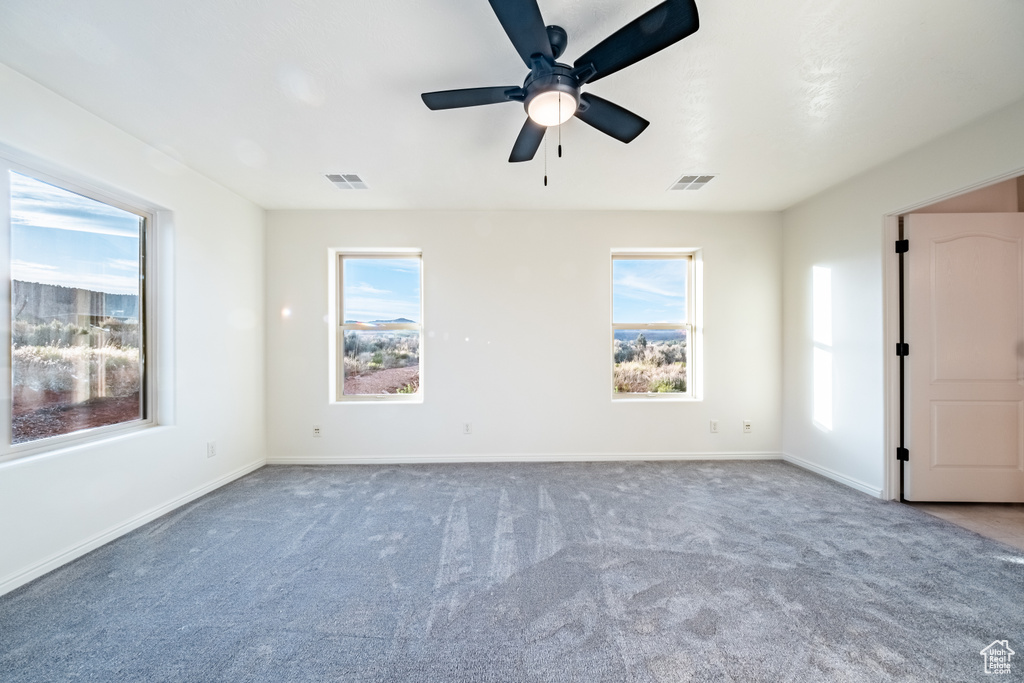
{"points": [[559, 127], [545, 161]]}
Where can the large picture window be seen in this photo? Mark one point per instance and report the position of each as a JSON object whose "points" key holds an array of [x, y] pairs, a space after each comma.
{"points": [[78, 351], [652, 325], [380, 325]]}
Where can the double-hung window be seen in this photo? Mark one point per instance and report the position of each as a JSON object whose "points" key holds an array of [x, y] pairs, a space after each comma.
{"points": [[379, 326], [78, 314], [652, 325]]}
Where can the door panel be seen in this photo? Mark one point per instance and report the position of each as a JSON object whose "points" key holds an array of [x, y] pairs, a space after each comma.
{"points": [[963, 429], [966, 272], [964, 300]]}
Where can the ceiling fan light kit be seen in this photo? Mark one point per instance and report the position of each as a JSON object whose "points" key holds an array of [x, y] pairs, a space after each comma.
{"points": [[551, 108], [551, 92], [551, 99]]}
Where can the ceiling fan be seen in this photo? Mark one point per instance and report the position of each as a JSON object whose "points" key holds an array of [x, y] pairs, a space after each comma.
{"points": [[551, 92]]}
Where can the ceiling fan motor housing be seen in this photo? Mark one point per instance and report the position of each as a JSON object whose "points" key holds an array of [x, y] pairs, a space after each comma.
{"points": [[558, 38]]}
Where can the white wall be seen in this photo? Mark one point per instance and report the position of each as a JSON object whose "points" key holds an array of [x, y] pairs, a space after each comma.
{"points": [[530, 290], [842, 228], [58, 505]]}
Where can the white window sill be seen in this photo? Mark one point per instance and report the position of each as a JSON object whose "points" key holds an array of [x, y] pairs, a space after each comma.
{"points": [[80, 440], [377, 400], [647, 398]]}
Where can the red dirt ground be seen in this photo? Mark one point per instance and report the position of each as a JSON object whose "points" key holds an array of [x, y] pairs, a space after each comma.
{"points": [[382, 381], [33, 421]]}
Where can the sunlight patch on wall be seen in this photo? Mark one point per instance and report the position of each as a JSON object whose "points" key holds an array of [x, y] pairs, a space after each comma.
{"points": [[821, 287]]}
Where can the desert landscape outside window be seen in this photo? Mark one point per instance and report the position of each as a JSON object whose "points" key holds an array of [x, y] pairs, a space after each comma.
{"points": [[77, 312], [651, 325], [380, 326]]}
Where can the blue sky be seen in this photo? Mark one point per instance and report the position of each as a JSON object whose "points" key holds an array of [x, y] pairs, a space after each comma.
{"points": [[381, 289], [648, 290], [62, 238]]}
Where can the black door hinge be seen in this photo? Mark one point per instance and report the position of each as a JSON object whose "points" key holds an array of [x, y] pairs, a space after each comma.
{"points": [[902, 246], [902, 454], [902, 349]]}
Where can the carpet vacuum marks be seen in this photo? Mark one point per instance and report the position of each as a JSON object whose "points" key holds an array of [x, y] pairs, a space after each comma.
{"points": [[640, 571]]}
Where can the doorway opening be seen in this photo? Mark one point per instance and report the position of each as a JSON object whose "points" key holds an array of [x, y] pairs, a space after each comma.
{"points": [[955, 376], [968, 335]]}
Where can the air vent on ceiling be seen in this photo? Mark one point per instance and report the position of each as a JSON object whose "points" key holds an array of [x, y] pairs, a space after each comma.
{"points": [[691, 182], [347, 181]]}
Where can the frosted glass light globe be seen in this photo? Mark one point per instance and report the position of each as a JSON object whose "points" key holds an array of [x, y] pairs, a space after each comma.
{"points": [[552, 108]]}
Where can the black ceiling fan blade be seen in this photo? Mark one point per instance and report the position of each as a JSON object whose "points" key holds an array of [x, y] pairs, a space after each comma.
{"points": [[528, 141], [472, 97], [524, 26], [656, 29], [610, 118]]}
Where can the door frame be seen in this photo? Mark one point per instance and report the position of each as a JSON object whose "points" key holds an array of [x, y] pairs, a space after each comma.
{"points": [[891, 327]]}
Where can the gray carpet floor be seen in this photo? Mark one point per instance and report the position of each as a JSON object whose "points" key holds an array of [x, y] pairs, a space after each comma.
{"points": [[702, 571]]}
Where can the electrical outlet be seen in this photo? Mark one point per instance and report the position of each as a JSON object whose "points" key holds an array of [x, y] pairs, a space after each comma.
{"points": [[211, 449], [316, 431], [714, 426], [746, 426], [467, 427]]}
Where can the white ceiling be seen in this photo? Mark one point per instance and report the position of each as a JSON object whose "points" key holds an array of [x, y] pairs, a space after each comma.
{"points": [[781, 99]]}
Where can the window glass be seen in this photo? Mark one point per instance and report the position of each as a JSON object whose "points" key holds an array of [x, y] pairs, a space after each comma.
{"points": [[650, 361], [650, 325], [76, 312], [380, 332], [382, 362], [382, 290], [649, 290]]}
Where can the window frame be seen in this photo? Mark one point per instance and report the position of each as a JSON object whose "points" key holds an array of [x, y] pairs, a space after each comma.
{"points": [[691, 325], [340, 327], [148, 391]]}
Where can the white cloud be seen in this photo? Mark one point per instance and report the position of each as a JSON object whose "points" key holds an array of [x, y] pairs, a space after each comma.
{"points": [[38, 204], [18, 268], [79, 223], [131, 265], [649, 286], [363, 288]]}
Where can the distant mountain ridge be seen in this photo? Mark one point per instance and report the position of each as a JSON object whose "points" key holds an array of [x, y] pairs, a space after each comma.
{"points": [[379, 322], [40, 303], [649, 335]]}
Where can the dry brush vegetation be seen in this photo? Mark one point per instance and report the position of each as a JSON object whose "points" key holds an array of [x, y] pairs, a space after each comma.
{"points": [[375, 354], [649, 366], [56, 357], [67, 377]]}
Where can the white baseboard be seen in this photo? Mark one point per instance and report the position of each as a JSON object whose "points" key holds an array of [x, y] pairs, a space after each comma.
{"points": [[833, 475], [9, 583], [510, 457]]}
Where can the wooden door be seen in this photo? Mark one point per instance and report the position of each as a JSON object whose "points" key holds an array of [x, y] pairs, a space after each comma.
{"points": [[964, 301]]}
